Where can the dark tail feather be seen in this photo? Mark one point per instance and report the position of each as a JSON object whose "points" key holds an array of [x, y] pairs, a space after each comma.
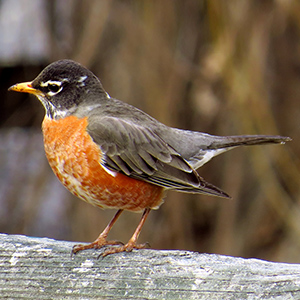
{"points": [[247, 140], [205, 188]]}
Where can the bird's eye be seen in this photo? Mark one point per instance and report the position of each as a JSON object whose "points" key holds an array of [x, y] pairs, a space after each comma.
{"points": [[54, 88], [51, 87]]}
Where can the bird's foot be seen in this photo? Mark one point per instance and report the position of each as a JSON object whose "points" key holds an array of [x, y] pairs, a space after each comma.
{"points": [[124, 248], [97, 244]]}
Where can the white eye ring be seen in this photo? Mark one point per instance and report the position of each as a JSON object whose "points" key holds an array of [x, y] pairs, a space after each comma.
{"points": [[56, 89], [56, 86]]}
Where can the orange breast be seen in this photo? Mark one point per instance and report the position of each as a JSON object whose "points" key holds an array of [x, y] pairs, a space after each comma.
{"points": [[76, 161]]}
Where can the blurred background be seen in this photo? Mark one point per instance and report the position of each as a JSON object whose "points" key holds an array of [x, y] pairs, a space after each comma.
{"points": [[222, 67]]}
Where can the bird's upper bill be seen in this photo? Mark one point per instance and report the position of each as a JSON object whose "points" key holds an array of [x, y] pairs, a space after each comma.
{"points": [[24, 87]]}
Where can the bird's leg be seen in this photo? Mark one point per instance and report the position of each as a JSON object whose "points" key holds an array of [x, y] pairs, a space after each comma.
{"points": [[101, 240], [132, 242]]}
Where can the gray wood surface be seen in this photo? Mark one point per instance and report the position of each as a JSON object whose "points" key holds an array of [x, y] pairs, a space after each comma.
{"points": [[41, 268]]}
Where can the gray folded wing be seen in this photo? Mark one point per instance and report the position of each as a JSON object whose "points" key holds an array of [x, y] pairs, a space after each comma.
{"points": [[138, 152]]}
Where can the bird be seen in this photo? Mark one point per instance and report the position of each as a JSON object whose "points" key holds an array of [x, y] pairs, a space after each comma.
{"points": [[113, 155]]}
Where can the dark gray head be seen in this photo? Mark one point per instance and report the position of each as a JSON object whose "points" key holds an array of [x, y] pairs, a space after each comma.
{"points": [[62, 86]]}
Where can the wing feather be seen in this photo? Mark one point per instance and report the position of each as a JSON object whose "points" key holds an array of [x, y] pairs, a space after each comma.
{"points": [[140, 153]]}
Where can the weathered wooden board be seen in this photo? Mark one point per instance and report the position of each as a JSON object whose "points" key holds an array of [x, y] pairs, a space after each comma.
{"points": [[41, 268]]}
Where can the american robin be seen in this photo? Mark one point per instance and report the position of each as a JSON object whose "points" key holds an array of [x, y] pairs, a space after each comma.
{"points": [[113, 155]]}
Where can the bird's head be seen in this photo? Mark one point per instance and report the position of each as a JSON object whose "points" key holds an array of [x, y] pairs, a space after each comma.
{"points": [[62, 86]]}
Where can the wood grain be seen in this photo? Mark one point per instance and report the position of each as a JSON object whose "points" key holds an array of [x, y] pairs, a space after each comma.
{"points": [[41, 268]]}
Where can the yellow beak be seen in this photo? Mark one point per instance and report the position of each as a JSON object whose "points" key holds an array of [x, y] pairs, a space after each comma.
{"points": [[24, 87]]}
